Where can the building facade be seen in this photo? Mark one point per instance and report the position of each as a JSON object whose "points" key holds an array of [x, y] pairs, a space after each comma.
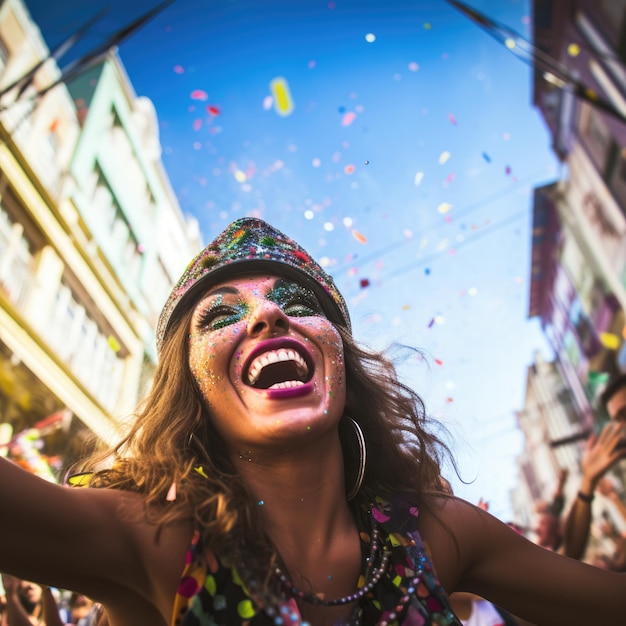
{"points": [[578, 273], [87, 219]]}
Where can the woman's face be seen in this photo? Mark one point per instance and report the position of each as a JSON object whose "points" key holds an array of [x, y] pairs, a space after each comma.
{"points": [[268, 363]]}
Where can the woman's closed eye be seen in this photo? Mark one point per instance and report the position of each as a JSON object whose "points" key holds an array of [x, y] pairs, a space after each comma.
{"points": [[219, 316], [295, 300], [302, 308]]}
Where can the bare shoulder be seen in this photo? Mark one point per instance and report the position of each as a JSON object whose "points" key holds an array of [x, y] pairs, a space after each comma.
{"points": [[455, 532]]}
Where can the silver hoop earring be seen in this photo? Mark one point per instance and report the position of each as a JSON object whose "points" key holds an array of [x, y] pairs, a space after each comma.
{"points": [[362, 458]]}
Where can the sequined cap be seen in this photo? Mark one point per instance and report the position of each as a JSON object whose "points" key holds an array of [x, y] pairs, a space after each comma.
{"points": [[251, 245]]}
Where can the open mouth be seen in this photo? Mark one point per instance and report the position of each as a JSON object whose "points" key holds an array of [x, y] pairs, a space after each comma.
{"points": [[282, 368]]}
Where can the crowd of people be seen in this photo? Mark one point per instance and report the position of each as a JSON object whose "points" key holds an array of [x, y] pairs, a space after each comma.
{"points": [[279, 473]]}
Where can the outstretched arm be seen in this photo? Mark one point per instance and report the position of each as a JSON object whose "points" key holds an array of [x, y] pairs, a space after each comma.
{"points": [[528, 581], [601, 453], [47, 531]]}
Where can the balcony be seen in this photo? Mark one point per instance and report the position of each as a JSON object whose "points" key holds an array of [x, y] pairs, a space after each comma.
{"points": [[63, 325]]}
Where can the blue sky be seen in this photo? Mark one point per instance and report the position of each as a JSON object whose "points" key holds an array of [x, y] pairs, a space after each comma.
{"points": [[407, 165]]}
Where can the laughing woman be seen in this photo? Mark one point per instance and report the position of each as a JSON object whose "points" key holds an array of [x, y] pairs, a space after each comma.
{"points": [[278, 473]]}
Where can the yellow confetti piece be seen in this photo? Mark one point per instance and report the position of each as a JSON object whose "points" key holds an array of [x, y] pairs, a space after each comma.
{"points": [[210, 585], [509, 43], [283, 102], [443, 157], [240, 176], [573, 49], [609, 341], [444, 207], [245, 609], [200, 471], [359, 237], [418, 178], [113, 343]]}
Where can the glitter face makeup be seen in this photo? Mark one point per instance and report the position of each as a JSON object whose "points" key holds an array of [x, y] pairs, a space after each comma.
{"points": [[267, 361]]}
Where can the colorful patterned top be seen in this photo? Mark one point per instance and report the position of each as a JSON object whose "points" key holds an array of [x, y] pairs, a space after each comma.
{"points": [[407, 594]]}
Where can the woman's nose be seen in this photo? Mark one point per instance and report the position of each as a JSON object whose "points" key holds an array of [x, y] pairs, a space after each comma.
{"points": [[268, 318]]}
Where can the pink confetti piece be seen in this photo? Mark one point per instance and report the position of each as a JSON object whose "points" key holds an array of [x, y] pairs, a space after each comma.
{"points": [[452, 119], [379, 516], [197, 124], [213, 110], [348, 118], [364, 282], [199, 94], [179, 69], [438, 361], [349, 169]]}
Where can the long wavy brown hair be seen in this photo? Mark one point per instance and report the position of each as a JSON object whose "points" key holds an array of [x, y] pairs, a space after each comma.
{"points": [[173, 435]]}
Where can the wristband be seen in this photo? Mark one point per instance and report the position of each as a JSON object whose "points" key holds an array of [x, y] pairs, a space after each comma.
{"points": [[585, 497]]}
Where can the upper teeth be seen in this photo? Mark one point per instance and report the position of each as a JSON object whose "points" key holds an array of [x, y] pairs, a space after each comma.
{"points": [[274, 356]]}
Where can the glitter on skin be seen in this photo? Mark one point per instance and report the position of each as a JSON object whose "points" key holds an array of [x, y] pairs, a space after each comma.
{"points": [[221, 320]]}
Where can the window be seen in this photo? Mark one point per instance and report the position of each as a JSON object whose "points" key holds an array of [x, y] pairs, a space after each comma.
{"points": [[597, 138]]}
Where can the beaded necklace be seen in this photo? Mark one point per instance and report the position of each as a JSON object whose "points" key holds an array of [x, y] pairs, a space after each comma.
{"points": [[372, 576]]}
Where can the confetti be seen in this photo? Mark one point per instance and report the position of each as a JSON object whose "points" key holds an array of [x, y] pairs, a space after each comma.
{"points": [[444, 207], [486, 157], [370, 38], [452, 119], [113, 343], [197, 124], [443, 157], [609, 341], [348, 118], [179, 69], [349, 169], [413, 66], [359, 237], [573, 49], [199, 94], [431, 323], [213, 110], [283, 104], [367, 162], [438, 361], [418, 178], [364, 282]]}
